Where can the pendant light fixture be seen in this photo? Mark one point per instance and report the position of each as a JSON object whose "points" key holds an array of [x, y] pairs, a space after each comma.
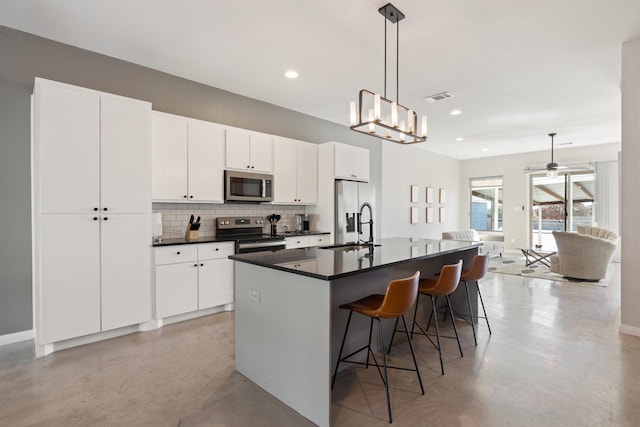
{"points": [[379, 116]]}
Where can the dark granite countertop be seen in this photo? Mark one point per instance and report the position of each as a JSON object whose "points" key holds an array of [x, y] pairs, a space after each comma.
{"points": [[328, 264], [214, 239]]}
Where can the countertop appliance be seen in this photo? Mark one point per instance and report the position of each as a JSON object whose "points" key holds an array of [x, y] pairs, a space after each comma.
{"points": [[303, 223], [247, 187], [248, 235], [355, 203]]}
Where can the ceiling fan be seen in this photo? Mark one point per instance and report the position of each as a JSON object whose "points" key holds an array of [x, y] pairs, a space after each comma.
{"points": [[552, 167]]}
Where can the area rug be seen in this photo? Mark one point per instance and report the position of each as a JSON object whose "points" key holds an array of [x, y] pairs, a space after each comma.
{"points": [[517, 267]]}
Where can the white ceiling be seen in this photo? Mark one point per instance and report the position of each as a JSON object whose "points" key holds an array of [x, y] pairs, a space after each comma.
{"points": [[518, 69]]}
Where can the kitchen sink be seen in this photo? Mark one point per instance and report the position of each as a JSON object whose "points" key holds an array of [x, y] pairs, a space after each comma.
{"points": [[347, 247]]}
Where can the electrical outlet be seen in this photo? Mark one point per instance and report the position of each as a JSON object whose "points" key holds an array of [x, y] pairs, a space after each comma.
{"points": [[254, 295]]}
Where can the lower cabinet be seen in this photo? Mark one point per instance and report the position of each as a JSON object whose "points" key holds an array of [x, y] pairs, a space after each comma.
{"points": [[192, 277], [294, 242]]}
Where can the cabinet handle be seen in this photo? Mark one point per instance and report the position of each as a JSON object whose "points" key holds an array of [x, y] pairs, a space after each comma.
{"points": [[251, 167], [184, 197], [95, 218], [178, 253], [201, 265], [104, 209], [95, 209], [195, 265], [248, 166], [105, 218], [217, 249], [191, 197]]}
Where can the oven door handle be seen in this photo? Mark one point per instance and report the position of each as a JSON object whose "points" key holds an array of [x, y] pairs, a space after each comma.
{"points": [[261, 244], [264, 188]]}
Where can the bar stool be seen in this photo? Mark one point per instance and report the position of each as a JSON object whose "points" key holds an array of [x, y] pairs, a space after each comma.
{"points": [[444, 286], [400, 296], [478, 270]]}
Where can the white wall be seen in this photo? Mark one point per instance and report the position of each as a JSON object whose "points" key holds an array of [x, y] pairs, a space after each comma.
{"points": [[516, 184], [630, 292], [404, 166]]}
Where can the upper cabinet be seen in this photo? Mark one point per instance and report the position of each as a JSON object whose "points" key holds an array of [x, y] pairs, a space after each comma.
{"points": [[187, 159], [351, 162], [295, 172], [249, 151]]}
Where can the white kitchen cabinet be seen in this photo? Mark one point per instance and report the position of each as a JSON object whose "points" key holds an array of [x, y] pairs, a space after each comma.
{"points": [[215, 275], [92, 202], [295, 172], [67, 276], [248, 150], [187, 159], [351, 162], [294, 242], [192, 277]]}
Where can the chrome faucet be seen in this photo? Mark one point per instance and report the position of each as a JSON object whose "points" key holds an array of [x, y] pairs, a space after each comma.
{"points": [[370, 222]]}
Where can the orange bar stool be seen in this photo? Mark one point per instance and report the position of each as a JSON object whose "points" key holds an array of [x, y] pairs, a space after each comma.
{"points": [[401, 295], [443, 286], [478, 270]]}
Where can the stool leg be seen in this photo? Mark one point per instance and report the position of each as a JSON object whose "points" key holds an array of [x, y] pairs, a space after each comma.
{"points": [[473, 328], [415, 312], [453, 321], [433, 307], [369, 349], [384, 364], [395, 328], [344, 337], [434, 312], [413, 354], [483, 309]]}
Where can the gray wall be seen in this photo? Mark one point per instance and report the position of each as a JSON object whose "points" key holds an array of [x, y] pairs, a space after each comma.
{"points": [[25, 56]]}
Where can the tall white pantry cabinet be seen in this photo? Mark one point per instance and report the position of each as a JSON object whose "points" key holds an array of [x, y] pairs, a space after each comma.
{"points": [[92, 206]]}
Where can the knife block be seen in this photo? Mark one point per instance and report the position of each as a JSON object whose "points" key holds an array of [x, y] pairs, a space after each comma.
{"points": [[191, 234]]}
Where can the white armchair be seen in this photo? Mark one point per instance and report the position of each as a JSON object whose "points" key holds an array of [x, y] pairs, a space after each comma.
{"points": [[491, 244], [584, 255]]}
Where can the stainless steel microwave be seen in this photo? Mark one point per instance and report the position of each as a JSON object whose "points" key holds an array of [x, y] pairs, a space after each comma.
{"points": [[247, 187]]}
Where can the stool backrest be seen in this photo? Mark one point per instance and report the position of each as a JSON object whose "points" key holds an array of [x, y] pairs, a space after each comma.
{"points": [[400, 297], [479, 268], [448, 279]]}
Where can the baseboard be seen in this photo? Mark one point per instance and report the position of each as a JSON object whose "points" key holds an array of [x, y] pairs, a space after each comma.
{"points": [[16, 337], [629, 330]]}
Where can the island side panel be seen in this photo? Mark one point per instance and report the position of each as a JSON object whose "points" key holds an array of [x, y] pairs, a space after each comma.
{"points": [[282, 328]]}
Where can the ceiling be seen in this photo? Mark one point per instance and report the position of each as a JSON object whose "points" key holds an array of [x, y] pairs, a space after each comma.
{"points": [[518, 70]]}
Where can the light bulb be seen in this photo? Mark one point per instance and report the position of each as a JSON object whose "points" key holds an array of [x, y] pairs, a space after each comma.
{"points": [[376, 106], [372, 126], [424, 126], [394, 114], [352, 112], [410, 121]]}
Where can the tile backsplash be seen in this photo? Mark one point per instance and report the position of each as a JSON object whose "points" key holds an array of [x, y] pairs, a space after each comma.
{"points": [[175, 216]]}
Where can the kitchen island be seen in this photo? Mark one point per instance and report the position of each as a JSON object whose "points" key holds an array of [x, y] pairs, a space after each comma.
{"points": [[288, 323]]}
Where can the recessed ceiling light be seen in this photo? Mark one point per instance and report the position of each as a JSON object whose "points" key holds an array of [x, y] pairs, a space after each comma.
{"points": [[485, 149], [459, 138], [291, 74], [456, 112]]}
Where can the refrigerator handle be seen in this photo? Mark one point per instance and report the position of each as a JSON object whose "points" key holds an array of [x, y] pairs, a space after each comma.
{"points": [[359, 223]]}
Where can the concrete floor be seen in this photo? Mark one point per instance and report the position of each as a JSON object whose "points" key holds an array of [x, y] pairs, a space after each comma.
{"points": [[555, 359]]}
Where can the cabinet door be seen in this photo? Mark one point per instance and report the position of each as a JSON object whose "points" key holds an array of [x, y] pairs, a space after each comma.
{"points": [[237, 144], [261, 152], [319, 240], [126, 269], [343, 161], [206, 161], [125, 144], [285, 171], [67, 148], [68, 274], [361, 163], [307, 173], [168, 157], [215, 281], [176, 289]]}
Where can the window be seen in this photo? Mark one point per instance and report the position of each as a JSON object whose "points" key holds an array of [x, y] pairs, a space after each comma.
{"points": [[486, 203]]}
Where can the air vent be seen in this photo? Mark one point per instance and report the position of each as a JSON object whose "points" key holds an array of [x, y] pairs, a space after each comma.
{"points": [[439, 97]]}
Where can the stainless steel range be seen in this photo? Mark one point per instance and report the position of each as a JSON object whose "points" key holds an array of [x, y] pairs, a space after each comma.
{"points": [[248, 235]]}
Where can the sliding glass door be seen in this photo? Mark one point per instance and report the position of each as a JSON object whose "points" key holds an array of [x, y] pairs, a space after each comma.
{"points": [[562, 203]]}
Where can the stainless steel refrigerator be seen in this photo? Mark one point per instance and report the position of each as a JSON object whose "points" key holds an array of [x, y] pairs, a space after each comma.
{"points": [[350, 196]]}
